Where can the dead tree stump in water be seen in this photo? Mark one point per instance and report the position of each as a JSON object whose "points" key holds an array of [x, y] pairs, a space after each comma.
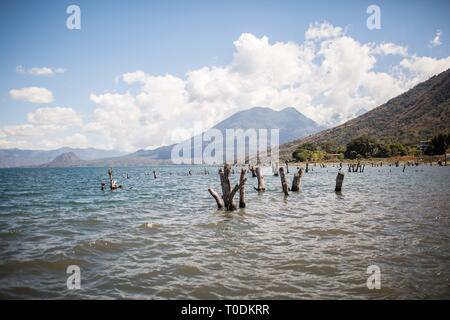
{"points": [[112, 183], [226, 201], [252, 169], [339, 181], [241, 189], [284, 183], [261, 181], [275, 168], [296, 180]]}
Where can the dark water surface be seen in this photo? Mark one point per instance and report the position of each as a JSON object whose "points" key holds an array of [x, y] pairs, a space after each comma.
{"points": [[164, 238]]}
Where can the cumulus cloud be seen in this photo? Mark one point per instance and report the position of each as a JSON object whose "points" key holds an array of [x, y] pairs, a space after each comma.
{"points": [[330, 77], [39, 71], [389, 48], [436, 41], [318, 31], [46, 128], [32, 94], [57, 116]]}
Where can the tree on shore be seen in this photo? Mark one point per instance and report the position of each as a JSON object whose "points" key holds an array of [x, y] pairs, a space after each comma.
{"points": [[439, 144], [367, 147]]}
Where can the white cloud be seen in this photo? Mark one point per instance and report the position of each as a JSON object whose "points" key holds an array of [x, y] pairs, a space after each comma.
{"points": [[330, 77], [421, 68], [436, 41], [39, 71], [133, 77], [325, 30], [389, 48], [32, 94], [46, 128], [58, 116]]}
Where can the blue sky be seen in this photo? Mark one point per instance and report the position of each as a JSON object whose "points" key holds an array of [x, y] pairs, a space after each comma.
{"points": [[175, 37]]}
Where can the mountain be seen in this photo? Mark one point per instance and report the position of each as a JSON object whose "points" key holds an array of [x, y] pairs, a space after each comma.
{"points": [[10, 158], [291, 123], [415, 115], [67, 159]]}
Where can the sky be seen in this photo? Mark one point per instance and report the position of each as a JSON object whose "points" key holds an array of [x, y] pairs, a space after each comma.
{"points": [[140, 74]]}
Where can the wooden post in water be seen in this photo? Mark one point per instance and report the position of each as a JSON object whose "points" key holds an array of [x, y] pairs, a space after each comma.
{"points": [[111, 184], [242, 189], [287, 167], [154, 174], [296, 180], [339, 181], [275, 168], [404, 167], [307, 167], [284, 184], [261, 181], [252, 169]]}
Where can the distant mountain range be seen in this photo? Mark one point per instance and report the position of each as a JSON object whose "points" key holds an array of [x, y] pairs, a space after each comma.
{"points": [[415, 115], [291, 124], [27, 158]]}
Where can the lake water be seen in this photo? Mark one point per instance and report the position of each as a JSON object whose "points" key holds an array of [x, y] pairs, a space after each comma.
{"points": [[164, 238]]}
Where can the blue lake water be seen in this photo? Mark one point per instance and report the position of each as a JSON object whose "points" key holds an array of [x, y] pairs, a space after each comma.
{"points": [[164, 238]]}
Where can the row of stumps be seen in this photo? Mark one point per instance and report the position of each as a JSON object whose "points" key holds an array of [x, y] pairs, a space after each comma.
{"points": [[225, 201]]}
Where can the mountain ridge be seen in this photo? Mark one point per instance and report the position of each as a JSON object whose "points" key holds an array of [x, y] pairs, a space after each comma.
{"points": [[15, 157], [66, 159]]}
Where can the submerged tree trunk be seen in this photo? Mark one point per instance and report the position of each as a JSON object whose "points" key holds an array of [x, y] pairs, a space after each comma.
{"points": [[242, 189], [339, 181], [112, 183], [284, 183], [252, 169], [226, 201], [261, 181], [296, 180]]}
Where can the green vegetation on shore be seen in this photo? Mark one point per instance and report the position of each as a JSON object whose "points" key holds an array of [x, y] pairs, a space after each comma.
{"points": [[369, 147]]}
